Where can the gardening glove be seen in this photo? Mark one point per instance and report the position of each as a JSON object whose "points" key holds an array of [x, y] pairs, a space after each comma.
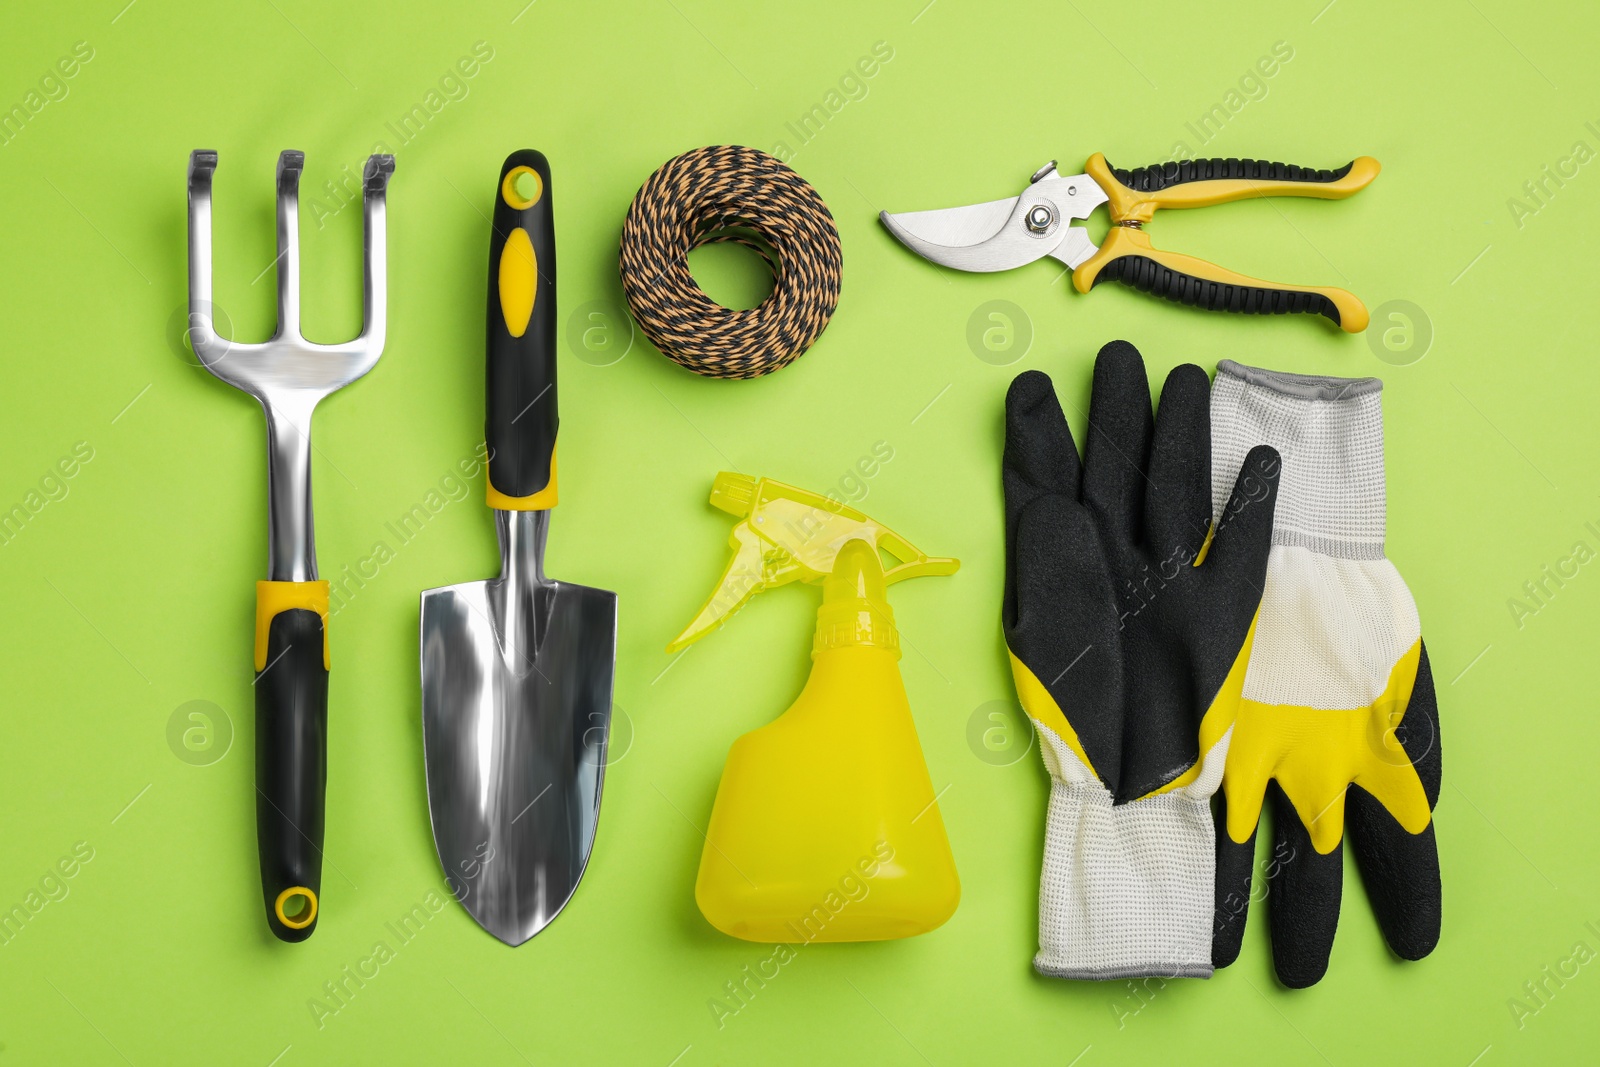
{"points": [[1129, 630], [1339, 709]]}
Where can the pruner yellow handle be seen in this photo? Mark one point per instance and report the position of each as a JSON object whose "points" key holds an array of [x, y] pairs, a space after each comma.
{"points": [[1133, 195], [1128, 256]]}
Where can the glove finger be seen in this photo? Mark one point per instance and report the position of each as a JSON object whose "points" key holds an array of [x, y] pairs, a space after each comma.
{"points": [[1040, 459], [1040, 455], [1116, 451], [1235, 868], [1243, 538], [1303, 891], [1400, 871], [1177, 502], [1057, 624]]}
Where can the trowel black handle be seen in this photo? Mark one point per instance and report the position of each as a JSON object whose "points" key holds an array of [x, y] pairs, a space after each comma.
{"points": [[291, 751], [520, 429]]}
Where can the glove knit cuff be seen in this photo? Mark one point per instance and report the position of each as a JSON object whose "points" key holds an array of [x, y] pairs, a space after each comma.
{"points": [[1126, 891], [1329, 432]]}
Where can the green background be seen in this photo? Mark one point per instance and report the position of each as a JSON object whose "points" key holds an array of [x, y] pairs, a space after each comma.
{"points": [[132, 595]]}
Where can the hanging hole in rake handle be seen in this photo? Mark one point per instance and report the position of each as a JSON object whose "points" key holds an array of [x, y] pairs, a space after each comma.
{"points": [[730, 194], [296, 907]]}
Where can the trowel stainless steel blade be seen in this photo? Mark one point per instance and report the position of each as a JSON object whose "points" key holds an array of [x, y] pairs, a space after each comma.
{"points": [[517, 671], [516, 712]]}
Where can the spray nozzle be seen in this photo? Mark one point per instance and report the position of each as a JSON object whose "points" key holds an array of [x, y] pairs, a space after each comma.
{"points": [[791, 534]]}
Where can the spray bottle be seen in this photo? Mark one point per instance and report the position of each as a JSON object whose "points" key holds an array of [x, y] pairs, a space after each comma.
{"points": [[825, 826]]}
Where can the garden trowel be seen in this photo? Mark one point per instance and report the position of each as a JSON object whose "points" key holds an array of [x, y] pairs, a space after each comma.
{"points": [[517, 670]]}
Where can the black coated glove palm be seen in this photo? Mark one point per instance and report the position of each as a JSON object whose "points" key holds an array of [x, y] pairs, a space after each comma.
{"points": [[1129, 630]]}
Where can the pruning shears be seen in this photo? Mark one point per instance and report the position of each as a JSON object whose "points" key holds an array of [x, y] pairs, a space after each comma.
{"points": [[1002, 234]]}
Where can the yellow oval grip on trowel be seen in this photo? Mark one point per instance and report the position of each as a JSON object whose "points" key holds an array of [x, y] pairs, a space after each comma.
{"points": [[825, 826]]}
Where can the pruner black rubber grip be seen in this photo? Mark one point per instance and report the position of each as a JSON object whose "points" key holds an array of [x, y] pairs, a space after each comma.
{"points": [[1161, 176], [522, 421], [1134, 195], [1150, 275], [1128, 256], [291, 752]]}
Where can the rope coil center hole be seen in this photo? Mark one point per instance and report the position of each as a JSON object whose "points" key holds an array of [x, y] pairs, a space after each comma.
{"points": [[734, 267]]}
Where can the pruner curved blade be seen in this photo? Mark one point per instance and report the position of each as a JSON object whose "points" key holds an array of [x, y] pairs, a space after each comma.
{"points": [[1002, 234]]}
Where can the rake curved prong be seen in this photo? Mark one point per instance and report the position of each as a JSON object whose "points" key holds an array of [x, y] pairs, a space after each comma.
{"points": [[202, 329], [374, 190], [290, 163]]}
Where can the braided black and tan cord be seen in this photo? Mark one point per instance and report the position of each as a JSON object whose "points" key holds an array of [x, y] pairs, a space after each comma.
{"points": [[742, 195]]}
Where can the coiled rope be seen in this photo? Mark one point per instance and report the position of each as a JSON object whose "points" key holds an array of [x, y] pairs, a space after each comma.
{"points": [[733, 194]]}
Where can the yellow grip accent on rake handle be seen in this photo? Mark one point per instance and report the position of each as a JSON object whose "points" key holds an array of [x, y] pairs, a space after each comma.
{"points": [[1128, 256], [1177, 188], [275, 597]]}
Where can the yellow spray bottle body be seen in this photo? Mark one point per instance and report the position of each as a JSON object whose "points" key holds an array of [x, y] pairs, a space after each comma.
{"points": [[825, 825]]}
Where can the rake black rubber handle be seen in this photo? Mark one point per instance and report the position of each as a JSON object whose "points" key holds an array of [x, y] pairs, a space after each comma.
{"points": [[522, 417], [292, 771]]}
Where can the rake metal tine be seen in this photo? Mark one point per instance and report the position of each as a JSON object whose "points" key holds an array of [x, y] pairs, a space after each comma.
{"points": [[202, 330], [374, 187], [290, 163]]}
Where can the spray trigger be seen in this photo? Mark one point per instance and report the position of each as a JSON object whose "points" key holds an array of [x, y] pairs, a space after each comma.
{"points": [[790, 534]]}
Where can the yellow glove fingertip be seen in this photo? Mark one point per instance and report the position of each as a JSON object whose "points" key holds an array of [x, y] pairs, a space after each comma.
{"points": [[1244, 807]]}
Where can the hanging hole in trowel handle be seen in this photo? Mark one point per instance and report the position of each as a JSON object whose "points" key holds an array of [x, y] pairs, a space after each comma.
{"points": [[527, 186]]}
